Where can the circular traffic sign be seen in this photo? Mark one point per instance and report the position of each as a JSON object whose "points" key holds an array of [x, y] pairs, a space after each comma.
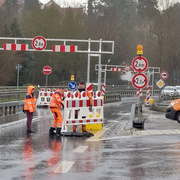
{"points": [[140, 64], [39, 43], [72, 85], [164, 75], [47, 70], [139, 81], [127, 68]]}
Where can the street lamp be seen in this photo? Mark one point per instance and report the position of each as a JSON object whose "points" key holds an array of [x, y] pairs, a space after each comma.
{"points": [[18, 67]]}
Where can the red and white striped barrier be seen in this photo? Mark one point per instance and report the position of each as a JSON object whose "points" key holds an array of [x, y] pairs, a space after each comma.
{"points": [[44, 97], [148, 95], [89, 86], [103, 89], [116, 69], [62, 48], [16, 47], [73, 103], [139, 93]]}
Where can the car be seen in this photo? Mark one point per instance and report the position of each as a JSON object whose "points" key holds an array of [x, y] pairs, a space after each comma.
{"points": [[173, 110], [177, 89], [169, 91]]}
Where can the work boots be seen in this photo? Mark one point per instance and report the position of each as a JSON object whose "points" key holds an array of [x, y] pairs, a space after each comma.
{"points": [[51, 130], [58, 132]]}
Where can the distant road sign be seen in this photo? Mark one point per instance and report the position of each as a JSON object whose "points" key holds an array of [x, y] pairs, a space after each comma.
{"points": [[160, 83], [39, 43], [72, 85], [127, 68], [139, 81], [47, 70], [140, 64], [164, 75]]}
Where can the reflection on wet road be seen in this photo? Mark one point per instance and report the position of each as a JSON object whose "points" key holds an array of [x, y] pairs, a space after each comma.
{"points": [[109, 154]]}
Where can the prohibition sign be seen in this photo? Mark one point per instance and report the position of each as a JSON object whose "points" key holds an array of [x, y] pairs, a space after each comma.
{"points": [[127, 68], [139, 81], [140, 64], [164, 75], [47, 70], [39, 43]]}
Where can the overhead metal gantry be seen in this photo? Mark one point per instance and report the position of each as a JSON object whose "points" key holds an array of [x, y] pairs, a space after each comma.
{"points": [[94, 48], [122, 68]]}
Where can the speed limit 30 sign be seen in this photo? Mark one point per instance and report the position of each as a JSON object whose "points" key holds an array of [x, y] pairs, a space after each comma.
{"points": [[139, 81], [39, 43]]}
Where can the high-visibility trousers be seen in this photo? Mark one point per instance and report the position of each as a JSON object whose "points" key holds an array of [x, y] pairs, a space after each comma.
{"points": [[57, 118]]}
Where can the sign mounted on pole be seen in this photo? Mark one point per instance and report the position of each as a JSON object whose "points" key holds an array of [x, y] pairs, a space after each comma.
{"points": [[127, 68], [47, 70], [139, 81], [140, 64], [39, 43], [164, 75], [72, 85], [160, 83]]}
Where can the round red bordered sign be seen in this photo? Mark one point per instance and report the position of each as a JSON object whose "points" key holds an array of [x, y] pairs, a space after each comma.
{"points": [[127, 68], [39, 43], [47, 70], [164, 75], [139, 81], [140, 64]]}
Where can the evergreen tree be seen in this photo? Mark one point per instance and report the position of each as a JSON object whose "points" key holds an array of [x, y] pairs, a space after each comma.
{"points": [[31, 5]]}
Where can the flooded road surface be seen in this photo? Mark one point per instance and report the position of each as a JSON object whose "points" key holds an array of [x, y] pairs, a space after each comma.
{"points": [[109, 154]]}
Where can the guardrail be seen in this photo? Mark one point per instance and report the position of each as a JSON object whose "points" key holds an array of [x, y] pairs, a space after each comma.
{"points": [[11, 111]]}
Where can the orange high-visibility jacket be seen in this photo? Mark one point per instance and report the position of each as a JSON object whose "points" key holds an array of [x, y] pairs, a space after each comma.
{"points": [[89, 96], [30, 100], [56, 100]]}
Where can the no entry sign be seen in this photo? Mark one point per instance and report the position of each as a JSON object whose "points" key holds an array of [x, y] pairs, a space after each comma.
{"points": [[139, 81], [47, 70]]}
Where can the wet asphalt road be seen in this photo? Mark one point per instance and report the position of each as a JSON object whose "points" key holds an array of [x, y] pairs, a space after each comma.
{"points": [[113, 153]]}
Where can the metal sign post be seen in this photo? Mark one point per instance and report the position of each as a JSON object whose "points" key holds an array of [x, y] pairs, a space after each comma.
{"points": [[39, 43]]}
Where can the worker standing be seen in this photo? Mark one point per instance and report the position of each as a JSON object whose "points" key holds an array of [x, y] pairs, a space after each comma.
{"points": [[55, 105], [29, 106], [81, 88]]}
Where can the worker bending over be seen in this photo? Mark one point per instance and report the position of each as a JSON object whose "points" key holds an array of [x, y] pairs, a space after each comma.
{"points": [[55, 105]]}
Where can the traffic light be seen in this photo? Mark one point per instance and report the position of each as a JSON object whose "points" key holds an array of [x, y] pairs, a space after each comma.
{"points": [[72, 77], [139, 49]]}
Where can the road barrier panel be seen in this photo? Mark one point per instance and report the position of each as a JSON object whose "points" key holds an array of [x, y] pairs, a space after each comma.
{"points": [[76, 110]]}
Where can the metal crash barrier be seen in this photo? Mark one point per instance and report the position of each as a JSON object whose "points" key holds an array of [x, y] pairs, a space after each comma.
{"points": [[76, 110]]}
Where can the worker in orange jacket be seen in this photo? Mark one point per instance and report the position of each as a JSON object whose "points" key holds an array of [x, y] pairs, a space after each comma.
{"points": [[29, 106], [82, 88], [55, 105]]}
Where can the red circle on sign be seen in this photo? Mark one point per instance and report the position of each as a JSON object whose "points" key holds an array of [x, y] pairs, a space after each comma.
{"points": [[137, 81], [164, 75], [47, 70], [140, 67], [39, 43], [127, 68]]}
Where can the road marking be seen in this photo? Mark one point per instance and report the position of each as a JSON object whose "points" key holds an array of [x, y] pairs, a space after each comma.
{"points": [[80, 149], [64, 167], [100, 132]]}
